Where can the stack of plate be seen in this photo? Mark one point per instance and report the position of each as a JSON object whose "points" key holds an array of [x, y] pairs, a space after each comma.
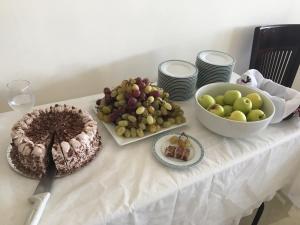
{"points": [[178, 78], [214, 66]]}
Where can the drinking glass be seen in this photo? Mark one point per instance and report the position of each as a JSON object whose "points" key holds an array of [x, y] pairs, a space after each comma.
{"points": [[20, 96]]}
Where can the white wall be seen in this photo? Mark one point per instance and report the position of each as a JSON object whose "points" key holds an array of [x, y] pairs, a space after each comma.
{"points": [[72, 48]]}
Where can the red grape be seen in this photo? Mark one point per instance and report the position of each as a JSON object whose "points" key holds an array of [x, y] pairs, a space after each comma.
{"points": [[107, 91], [136, 93], [108, 100], [132, 102], [141, 85], [146, 81], [138, 80], [154, 93], [142, 96]]}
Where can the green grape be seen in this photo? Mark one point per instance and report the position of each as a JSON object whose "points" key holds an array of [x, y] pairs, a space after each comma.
{"points": [[123, 123], [150, 99], [124, 83], [180, 112], [160, 120], [122, 102], [114, 93], [138, 104], [166, 95], [106, 110], [140, 132], [106, 118], [116, 104], [164, 111], [140, 110], [148, 89], [120, 97], [142, 126], [146, 104], [173, 114], [156, 104], [176, 107], [167, 105], [171, 120], [158, 127], [144, 120], [127, 133], [151, 109], [150, 119], [132, 81], [146, 113], [166, 124], [157, 113], [179, 119], [100, 115], [133, 132], [120, 131], [132, 118], [119, 90], [154, 88], [125, 116], [152, 128]]}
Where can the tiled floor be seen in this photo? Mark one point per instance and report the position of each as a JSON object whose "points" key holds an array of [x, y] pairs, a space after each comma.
{"points": [[278, 211]]}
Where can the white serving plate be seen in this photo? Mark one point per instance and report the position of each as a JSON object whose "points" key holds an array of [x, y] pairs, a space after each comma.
{"points": [[125, 141], [196, 152], [216, 58]]}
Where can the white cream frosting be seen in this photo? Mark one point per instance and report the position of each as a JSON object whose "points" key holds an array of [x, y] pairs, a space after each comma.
{"points": [[38, 150], [65, 146], [84, 138], [75, 144]]}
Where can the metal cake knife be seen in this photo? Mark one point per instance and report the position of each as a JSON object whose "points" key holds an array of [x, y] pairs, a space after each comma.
{"points": [[42, 194]]}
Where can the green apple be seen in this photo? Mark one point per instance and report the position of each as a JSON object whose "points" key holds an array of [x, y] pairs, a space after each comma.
{"points": [[206, 101], [238, 116], [220, 99], [227, 110], [255, 115], [217, 109], [243, 104], [256, 100], [230, 96]]}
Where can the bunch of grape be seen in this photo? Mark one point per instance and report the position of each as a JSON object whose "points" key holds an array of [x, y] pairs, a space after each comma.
{"points": [[137, 106]]}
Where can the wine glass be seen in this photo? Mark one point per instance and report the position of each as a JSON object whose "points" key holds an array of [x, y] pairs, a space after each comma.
{"points": [[20, 96]]}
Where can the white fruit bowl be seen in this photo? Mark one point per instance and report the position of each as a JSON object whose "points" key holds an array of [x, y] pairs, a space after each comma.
{"points": [[231, 128]]}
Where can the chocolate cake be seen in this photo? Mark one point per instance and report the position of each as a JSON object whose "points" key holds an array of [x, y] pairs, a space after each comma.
{"points": [[76, 140]]}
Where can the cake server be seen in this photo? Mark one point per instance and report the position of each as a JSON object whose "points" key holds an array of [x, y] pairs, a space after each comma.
{"points": [[42, 193]]}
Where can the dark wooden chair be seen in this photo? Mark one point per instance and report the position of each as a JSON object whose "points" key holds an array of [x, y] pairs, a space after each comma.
{"points": [[276, 52]]}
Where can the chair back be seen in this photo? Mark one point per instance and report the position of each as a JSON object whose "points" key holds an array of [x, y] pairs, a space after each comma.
{"points": [[276, 52]]}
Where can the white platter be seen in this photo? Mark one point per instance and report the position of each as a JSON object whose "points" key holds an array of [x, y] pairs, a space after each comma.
{"points": [[196, 152], [125, 141]]}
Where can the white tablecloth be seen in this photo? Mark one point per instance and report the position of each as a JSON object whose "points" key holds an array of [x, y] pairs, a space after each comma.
{"points": [[126, 185]]}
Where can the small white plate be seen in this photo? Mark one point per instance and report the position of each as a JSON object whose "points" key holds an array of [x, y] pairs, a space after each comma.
{"points": [[124, 141], [196, 152], [216, 58]]}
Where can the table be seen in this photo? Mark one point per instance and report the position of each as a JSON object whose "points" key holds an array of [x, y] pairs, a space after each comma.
{"points": [[126, 185]]}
